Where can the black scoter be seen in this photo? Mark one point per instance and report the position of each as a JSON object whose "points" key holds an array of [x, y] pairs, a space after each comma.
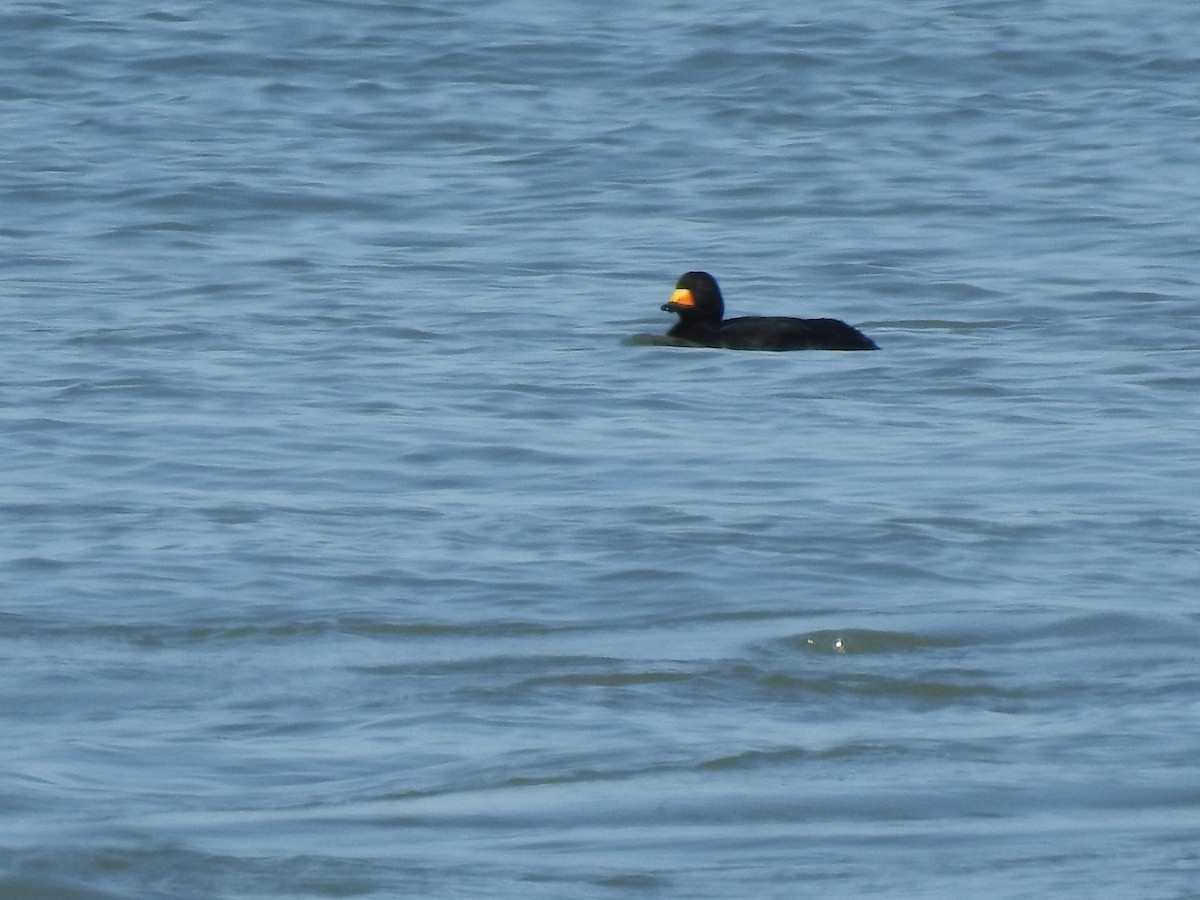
{"points": [[702, 321]]}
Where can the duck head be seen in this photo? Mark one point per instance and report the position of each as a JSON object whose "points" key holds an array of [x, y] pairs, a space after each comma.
{"points": [[696, 298]]}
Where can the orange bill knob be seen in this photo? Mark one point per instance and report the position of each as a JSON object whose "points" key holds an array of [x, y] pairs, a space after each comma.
{"points": [[682, 297]]}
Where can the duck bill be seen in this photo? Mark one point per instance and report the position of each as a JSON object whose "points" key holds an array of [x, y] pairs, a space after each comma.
{"points": [[681, 300]]}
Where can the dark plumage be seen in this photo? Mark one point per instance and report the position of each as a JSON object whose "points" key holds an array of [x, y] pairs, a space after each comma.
{"points": [[702, 321]]}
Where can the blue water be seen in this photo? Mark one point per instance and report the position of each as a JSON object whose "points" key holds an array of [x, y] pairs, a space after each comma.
{"points": [[354, 544]]}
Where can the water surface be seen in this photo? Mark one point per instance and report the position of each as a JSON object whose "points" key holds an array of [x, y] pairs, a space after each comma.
{"points": [[353, 544]]}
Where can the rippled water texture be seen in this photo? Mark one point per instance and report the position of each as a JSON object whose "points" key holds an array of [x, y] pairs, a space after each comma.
{"points": [[359, 537]]}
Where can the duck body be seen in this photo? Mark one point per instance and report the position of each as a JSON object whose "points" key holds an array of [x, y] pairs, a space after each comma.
{"points": [[701, 308], [773, 333]]}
